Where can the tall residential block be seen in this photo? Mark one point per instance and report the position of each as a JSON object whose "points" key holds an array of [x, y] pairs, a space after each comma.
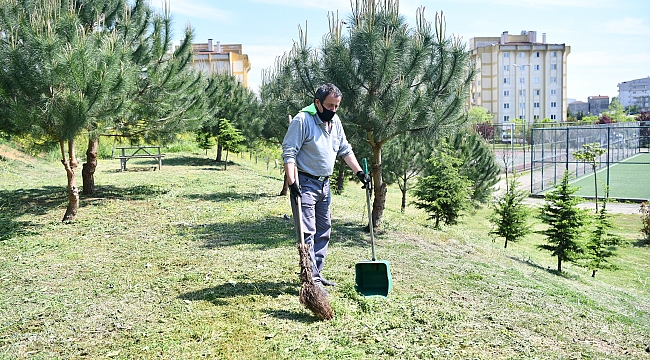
{"points": [[634, 92], [229, 59], [519, 77]]}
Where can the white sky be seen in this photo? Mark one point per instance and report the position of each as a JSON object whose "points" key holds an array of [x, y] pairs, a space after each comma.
{"points": [[610, 40]]}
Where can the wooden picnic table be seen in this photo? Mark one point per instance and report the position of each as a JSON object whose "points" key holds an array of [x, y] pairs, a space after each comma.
{"points": [[134, 152]]}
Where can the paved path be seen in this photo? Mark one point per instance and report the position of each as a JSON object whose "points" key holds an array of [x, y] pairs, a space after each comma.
{"points": [[612, 207]]}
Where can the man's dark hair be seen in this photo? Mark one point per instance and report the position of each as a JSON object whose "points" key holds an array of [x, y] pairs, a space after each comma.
{"points": [[324, 90]]}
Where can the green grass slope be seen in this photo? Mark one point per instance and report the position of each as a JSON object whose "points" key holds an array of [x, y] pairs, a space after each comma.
{"points": [[196, 262]]}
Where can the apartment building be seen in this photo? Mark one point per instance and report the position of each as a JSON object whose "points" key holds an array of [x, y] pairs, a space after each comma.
{"points": [[643, 102], [520, 77], [222, 58], [579, 107], [630, 92], [597, 104]]}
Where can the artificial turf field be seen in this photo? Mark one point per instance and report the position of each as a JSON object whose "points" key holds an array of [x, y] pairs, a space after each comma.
{"points": [[628, 180]]}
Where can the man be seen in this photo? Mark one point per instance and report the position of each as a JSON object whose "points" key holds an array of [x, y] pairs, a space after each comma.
{"points": [[313, 141]]}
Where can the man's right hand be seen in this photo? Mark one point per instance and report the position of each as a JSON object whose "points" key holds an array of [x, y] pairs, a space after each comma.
{"points": [[295, 190]]}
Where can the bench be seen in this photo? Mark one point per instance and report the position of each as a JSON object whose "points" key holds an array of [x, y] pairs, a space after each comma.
{"points": [[139, 152]]}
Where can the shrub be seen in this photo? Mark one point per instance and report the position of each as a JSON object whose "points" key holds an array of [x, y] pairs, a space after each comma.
{"points": [[645, 221]]}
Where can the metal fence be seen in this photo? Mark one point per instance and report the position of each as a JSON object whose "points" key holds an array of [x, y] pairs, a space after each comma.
{"points": [[512, 142], [552, 148]]}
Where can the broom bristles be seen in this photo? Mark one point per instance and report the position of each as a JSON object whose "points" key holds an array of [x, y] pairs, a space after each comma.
{"points": [[311, 295]]}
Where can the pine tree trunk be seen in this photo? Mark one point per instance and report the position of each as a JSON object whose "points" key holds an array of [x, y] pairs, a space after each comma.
{"points": [[593, 273], [403, 188], [219, 151], [285, 186], [89, 167], [505, 246], [70, 166], [225, 163], [559, 264], [380, 188], [595, 189]]}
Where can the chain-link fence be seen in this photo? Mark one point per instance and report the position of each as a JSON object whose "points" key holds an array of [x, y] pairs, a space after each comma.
{"points": [[546, 149], [512, 142], [552, 150]]}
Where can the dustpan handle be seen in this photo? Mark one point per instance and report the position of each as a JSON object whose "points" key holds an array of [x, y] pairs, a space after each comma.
{"points": [[372, 233]]}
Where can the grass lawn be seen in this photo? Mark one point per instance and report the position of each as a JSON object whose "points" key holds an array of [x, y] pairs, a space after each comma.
{"points": [[196, 262]]}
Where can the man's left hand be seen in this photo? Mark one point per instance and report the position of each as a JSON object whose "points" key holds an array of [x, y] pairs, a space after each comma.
{"points": [[365, 180]]}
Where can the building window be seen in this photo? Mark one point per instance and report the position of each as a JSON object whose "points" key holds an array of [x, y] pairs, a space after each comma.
{"points": [[522, 105], [506, 54], [536, 80], [554, 54], [506, 67], [553, 117], [479, 83], [522, 92], [506, 93], [522, 55], [536, 92], [522, 80], [553, 92], [506, 118], [553, 66], [553, 79], [553, 104], [536, 117], [506, 106], [506, 81], [536, 104], [535, 67], [537, 54]]}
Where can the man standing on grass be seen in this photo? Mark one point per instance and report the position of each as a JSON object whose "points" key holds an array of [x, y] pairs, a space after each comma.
{"points": [[313, 141]]}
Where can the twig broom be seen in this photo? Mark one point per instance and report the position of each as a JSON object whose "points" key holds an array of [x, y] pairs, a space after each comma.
{"points": [[312, 296]]}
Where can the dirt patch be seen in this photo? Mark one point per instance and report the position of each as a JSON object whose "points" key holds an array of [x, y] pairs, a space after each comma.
{"points": [[9, 153]]}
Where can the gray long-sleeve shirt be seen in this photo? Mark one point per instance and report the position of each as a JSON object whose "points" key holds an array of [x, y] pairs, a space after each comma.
{"points": [[310, 147]]}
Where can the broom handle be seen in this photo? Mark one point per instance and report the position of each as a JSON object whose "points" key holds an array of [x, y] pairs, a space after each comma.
{"points": [[301, 235], [372, 233]]}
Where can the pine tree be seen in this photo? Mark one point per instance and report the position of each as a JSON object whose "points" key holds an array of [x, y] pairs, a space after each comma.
{"points": [[62, 63], [401, 172], [565, 222], [92, 68], [205, 140], [591, 153], [600, 242], [394, 79], [443, 193], [510, 216], [162, 94], [230, 138], [479, 163], [226, 98]]}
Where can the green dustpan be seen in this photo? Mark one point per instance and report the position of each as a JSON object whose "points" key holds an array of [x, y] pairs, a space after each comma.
{"points": [[372, 277]]}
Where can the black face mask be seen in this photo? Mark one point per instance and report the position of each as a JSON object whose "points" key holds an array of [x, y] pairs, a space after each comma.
{"points": [[326, 115]]}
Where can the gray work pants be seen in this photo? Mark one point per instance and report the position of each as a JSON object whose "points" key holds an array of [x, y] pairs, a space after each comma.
{"points": [[316, 220]]}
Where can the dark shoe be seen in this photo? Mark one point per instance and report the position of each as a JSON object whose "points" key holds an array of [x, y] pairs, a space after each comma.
{"points": [[327, 282], [320, 286]]}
